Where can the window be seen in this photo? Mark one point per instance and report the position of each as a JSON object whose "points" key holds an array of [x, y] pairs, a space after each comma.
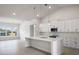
{"points": [[8, 29]]}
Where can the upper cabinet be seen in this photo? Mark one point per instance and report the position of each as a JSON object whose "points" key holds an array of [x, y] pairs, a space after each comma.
{"points": [[62, 25], [68, 26]]}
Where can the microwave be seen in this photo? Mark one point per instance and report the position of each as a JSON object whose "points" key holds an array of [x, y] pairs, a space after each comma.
{"points": [[54, 29]]}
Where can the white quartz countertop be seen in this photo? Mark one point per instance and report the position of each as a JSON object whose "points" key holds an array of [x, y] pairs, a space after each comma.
{"points": [[43, 39]]}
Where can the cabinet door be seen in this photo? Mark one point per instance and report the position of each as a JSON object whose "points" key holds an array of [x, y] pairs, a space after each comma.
{"points": [[77, 26], [69, 26], [74, 25], [65, 26], [66, 42], [77, 43], [60, 26], [72, 43]]}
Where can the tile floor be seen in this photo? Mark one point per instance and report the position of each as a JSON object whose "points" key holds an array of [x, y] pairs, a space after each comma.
{"points": [[16, 47], [70, 51]]}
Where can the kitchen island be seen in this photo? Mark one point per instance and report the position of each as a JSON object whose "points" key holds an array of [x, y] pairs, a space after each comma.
{"points": [[50, 45]]}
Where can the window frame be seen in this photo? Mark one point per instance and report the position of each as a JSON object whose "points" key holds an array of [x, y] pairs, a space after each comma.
{"points": [[17, 25]]}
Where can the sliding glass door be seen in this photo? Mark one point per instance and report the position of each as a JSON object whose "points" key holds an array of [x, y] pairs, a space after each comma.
{"points": [[10, 30]]}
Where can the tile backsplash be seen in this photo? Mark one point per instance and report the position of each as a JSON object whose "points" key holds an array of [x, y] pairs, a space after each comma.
{"points": [[60, 34]]}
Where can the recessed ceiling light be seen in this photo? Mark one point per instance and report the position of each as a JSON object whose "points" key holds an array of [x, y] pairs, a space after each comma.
{"points": [[14, 13], [49, 7], [37, 15]]}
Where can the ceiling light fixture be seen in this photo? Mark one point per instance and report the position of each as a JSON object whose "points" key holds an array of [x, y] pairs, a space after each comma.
{"points": [[14, 13], [37, 15], [49, 7]]}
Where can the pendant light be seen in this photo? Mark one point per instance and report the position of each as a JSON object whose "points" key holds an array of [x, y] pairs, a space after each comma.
{"points": [[36, 13], [34, 8]]}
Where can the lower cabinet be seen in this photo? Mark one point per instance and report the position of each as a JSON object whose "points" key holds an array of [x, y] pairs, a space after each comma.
{"points": [[41, 45], [70, 42], [77, 44]]}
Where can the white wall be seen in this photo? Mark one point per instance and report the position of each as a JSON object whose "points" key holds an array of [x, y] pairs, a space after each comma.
{"points": [[24, 29], [10, 20], [64, 13]]}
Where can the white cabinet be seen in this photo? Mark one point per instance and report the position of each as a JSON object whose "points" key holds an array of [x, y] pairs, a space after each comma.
{"points": [[62, 25], [73, 25], [77, 26], [71, 42], [68, 26], [67, 42], [77, 43]]}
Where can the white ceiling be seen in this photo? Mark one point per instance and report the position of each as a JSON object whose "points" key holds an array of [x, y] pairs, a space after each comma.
{"points": [[27, 11]]}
